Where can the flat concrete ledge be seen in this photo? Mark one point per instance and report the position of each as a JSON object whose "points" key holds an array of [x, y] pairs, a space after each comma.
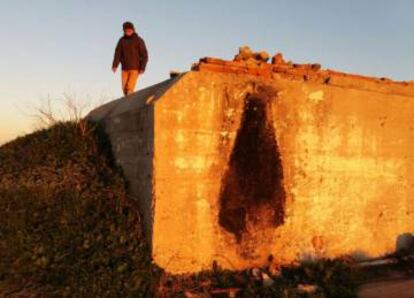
{"points": [[133, 101]]}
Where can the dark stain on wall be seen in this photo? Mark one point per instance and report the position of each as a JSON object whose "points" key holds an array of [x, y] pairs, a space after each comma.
{"points": [[252, 191]]}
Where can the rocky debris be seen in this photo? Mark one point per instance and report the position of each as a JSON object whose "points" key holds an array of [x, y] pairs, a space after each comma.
{"points": [[278, 59], [307, 289], [174, 73], [267, 280], [246, 54], [248, 62], [263, 56], [325, 278], [313, 66], [261, 277], [255, 63]]}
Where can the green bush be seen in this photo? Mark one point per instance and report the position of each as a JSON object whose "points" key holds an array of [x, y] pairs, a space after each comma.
{"points": [[67, 227]]}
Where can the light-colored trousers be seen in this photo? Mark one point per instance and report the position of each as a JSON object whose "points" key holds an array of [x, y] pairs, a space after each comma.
{"points": [[129, 80]]}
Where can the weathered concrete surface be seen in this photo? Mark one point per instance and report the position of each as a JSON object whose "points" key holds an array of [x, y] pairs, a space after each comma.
{"points": [[337, 152], [129, 124]]}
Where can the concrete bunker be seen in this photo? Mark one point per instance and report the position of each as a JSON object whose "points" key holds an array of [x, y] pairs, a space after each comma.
{"points": [[252, 192], [194, 149]]}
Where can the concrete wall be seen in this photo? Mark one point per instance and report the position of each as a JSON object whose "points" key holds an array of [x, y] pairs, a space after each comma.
{"points": [[234, 168], [129, 123], [344, 186]]}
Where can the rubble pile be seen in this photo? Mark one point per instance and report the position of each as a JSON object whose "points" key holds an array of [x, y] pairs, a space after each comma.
{"points": [[254, 63], [261, 64]]}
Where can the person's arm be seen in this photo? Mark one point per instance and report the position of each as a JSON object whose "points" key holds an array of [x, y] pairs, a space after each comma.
{"points": [[117, 56], [143, 55]]}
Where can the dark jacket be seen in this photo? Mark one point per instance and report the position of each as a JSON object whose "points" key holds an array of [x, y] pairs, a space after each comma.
{"points": [[131, 52]]}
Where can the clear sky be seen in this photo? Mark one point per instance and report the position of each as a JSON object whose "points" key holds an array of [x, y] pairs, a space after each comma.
{"points": [[50, 47]]}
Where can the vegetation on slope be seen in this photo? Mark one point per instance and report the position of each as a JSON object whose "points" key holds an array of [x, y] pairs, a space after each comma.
{"points": [[66, 225]]}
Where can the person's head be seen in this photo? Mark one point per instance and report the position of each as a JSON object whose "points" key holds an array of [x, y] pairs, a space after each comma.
{"points": [[128, 28]]}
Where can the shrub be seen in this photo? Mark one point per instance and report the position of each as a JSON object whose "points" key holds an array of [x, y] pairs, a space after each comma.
{"points": [[67, 227]]}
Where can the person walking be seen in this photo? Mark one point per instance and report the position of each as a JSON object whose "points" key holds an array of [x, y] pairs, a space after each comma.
{"points": [[132, 53]]}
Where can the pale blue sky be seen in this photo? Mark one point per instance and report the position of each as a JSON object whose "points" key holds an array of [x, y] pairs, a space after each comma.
{"points": [[51, 47]]}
